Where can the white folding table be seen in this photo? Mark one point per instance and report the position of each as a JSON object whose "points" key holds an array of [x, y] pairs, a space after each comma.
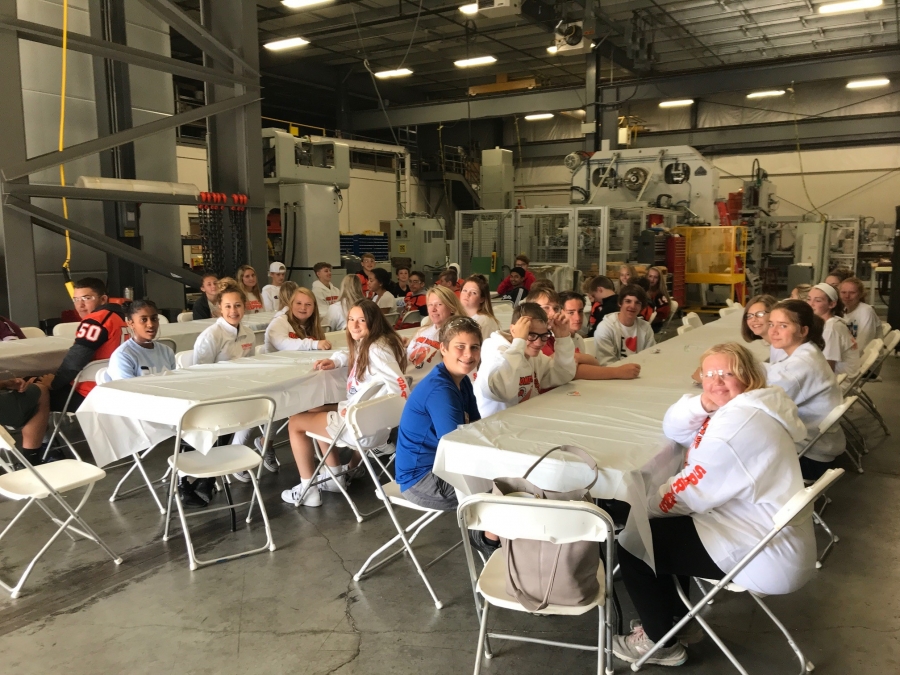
{"points": [[34, 356]]}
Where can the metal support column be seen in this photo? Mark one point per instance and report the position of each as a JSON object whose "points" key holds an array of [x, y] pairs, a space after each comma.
{"points": [[18, 283], [235, 137], [609, 117], [592, 68], [112, 90]]}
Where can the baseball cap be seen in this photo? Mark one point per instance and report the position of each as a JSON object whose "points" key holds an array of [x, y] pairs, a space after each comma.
{"points": [[277, 268]]}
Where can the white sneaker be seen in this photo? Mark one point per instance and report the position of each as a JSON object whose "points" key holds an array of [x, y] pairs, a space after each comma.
{"points": [[312, 498], [630, 648], [331, 484], [690, 634]]}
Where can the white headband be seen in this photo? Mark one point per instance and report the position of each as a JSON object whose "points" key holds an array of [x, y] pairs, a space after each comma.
{"points": [[828, 290]]}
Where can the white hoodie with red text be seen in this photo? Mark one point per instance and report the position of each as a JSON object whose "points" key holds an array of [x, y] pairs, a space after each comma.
{"points": [[740, 468]]}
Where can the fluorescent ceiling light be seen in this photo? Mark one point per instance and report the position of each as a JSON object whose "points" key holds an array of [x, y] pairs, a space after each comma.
{"points": [[677, 104], [850, 6], [400, 72], [551, 50], [469, 9], [297, 4], [287, 43], [871, 82], [766, 94], [539, 116], [477, 61]]}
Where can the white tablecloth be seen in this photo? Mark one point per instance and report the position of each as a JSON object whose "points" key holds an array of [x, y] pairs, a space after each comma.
{"points": [[618, 422], [34, 356]]}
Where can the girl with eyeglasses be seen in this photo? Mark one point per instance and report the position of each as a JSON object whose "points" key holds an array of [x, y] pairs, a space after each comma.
{"points": [[513, 369], [756, 323], [808, 380], [739, 468]]}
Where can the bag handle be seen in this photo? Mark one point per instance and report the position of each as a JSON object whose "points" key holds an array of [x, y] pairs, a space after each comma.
{"points": [[578, 452], [524, 599]]}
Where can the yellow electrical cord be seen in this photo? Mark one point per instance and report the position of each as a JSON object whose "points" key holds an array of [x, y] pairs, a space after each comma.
{"points": [[62, 137]]}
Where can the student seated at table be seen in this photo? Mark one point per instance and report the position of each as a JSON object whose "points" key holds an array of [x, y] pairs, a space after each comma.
{"points": [[548, 300], [438, 405], [605, 301], [140, 355], [800, 292], [298, 329], [740, 467], [205, 306], [448, 279], [416, 300], [351, 293], [627, 275], [326, 292], [515, 290], [401, 287], [527, 277], [841, 350], [374, 357], [838, 275], [755, 325], [9, 330], [285, 293], [588, 366], [269, 294], [379, 280], [246, 281], [98, 336], [25, 405], [624, 333], [513, 369], [367, 260], [424, 349], [862, 320], [658, 295], [808, 380], [475, 299]]}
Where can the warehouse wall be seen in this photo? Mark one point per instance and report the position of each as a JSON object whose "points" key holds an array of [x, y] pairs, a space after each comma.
{"points": [[371, 198], [155, 157]]}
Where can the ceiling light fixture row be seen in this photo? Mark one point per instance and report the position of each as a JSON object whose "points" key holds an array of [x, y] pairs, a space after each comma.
{"points": [[539, 116], [849, 6]]}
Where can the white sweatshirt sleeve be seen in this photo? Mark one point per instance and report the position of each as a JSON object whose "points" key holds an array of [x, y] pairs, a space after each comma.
{"points": [[321, 293], [278, 335], [341, 358], [556, 370], [206, 347], [503, 370], [683, 419], [780, 375], [383, 368], [607, 341]]}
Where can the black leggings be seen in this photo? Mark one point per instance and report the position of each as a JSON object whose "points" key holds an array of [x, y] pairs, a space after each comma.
{"points": [[677, 550]]}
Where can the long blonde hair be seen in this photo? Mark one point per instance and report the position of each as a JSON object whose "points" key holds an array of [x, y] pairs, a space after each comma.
{"points": [[449, 298], [351, 292], [661, 289], [743, 365], [312, 327], [255, 290], [285, 293], [485, 308]]}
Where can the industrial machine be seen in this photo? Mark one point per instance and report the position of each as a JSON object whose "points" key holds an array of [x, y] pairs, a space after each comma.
{"points": [[303, 183], [419, 242], [677, 178], [497, 179]]}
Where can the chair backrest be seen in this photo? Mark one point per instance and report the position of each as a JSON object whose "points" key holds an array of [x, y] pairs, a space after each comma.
{"points": [[891, 340], [184, 359], [33, 332], [89, 372], [685, 329], [732, 309], [652, 318], [259, 349], [841, 378], [184, 317], [729, 302], [414, 314], [168, 342], [426, 321], [6, 441], [228, 415], [102, 376], [163, 319], [800, 507], [692, 319], [830, 420], [885, 329], [367, 418], [673, 310], [66, 329], [514, 517]]}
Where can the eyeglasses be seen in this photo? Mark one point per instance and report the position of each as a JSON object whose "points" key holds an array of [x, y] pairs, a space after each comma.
{"points": [[84, 298], [724, 374], [758, 315], [543, 337]]}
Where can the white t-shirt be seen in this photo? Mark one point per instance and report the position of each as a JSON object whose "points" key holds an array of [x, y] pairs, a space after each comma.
{"points": [[132, 360], [841, 347], [628, 340], [254, 304], [270, 300], [864, 325], [386, 301]]}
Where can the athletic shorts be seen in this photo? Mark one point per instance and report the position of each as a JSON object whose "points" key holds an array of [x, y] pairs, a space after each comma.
{"points": [[432, 492], [16, 409]]}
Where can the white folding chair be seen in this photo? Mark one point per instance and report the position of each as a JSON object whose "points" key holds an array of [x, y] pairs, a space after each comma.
{"points": [[798, 509], [32, 332], [259, 349], [885, 329], [168, 342], [163, 319], [673, 310], [214, 418], [824, 427], [34, 484], [426, 321], [545, 520], [379, 429], [652, 318], [184, 317], [873, 358], [67, 329], [87, 374], [414, 314], [365, 419], [692, 319], [731, 309], [184, 359], [687, 328]]}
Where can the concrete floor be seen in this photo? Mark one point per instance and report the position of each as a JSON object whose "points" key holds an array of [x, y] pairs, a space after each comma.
{"points": [[298, 611]]}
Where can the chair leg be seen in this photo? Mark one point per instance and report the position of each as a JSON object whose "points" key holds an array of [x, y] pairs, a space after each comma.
{"points": [[805, 666], [192, 560], [173, 479], [482, 644], [262, 509], [833, 539], [139, 465], [227, 491]]}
